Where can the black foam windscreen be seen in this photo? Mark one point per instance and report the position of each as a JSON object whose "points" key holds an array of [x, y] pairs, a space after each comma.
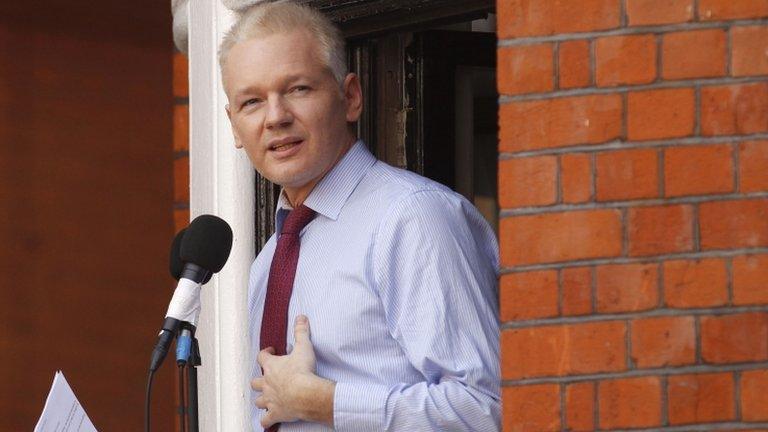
{"points": [[176, 265], [207, 242]]}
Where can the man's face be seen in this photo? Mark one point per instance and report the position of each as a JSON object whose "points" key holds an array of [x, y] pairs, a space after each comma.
{"points": [[286, 109]]}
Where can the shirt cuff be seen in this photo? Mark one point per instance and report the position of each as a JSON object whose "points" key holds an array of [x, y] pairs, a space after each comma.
{"points": [[358, 407]]}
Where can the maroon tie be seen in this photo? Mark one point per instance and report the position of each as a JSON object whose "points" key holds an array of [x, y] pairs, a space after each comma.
{"points": [[274, 321]]}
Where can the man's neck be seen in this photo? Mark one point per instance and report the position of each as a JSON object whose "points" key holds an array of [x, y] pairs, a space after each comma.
{"points": [[297, 196]]}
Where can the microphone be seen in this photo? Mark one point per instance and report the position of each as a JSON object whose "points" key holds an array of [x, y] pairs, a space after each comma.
{"points": [[202, 249], [176, 265]]}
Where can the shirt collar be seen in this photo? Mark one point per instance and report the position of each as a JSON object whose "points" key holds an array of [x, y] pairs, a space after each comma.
{"points": [[331, 193]]}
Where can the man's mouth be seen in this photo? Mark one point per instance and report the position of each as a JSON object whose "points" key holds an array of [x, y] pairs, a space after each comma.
{"points": [[285, 146]]}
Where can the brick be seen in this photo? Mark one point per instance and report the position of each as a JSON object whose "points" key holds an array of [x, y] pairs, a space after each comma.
{"points": [[753, 160], [577, 290], [574, 64], [650, 12], [694, 54], [585, 15], [660, 230], [656, 114], [181, 180], [630, 403], [734, 338], [555, 237], [695, 283], [180, 128], [528, 181], [663, 341], [518, 18], [700, 398], [180, 219], [694, 170], [754, 398], [734, 224], [526, 69], [576, 177], [580, 407], [544, 17], [715, 10], [627, 287], [180, 75], [625, 60], [749, 51], [563, 350], [531, 408], [750, 279], [528, 295], [559, 122], [734, 109], [627, 174]]}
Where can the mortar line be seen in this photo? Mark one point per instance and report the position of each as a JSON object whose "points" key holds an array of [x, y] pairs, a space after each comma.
{"points": [[696, 229], [634, 260], [642, 202], [697, 110], [735, 165], [662, 173], [637, 373], [697, 332], [592, 91], [624, 144], [653, 313]]}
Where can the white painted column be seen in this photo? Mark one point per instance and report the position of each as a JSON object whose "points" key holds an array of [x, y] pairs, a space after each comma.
{"points": [[222, 183]]}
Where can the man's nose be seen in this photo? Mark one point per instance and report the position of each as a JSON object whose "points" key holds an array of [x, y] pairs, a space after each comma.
{"points": [[278, 113]]}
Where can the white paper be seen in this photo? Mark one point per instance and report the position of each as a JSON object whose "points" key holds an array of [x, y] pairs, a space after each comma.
{"points": [[62, 411]]}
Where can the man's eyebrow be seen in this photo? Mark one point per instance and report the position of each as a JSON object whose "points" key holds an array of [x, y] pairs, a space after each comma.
{"points": [[246, 90], [285, 81]]}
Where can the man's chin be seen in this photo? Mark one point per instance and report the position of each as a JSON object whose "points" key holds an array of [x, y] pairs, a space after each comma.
{"points": [[288, 181]]}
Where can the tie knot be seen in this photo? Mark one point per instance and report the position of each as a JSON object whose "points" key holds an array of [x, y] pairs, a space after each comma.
{"points": [[297, 219]]}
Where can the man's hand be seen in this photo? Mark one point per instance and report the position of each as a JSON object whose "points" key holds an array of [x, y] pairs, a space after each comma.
{"points": [[289, 388]]}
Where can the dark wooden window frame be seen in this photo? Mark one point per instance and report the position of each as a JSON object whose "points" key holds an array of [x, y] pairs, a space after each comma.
{"points": [[381, 51]]}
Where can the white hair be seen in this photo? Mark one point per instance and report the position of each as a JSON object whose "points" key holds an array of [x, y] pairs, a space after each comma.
{"points": [[267, 18]]}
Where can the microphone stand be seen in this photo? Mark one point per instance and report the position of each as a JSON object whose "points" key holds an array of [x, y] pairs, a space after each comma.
{"points": [[194, 361], [188, 358]]}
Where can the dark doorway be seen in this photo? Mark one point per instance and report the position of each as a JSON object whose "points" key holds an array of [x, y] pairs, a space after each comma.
{"points": [[430, 105]]}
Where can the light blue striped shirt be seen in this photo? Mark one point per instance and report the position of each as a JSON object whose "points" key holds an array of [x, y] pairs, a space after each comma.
{"points": [[398, 277]]}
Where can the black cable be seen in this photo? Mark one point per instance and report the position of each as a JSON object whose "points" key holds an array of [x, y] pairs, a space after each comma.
{"points": [[182, 403], [146, 400]]}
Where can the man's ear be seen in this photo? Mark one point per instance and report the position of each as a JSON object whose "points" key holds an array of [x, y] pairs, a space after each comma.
{"points": [[238, 143], [353, 97]]}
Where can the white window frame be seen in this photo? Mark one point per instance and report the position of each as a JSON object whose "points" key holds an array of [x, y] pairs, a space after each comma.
{"points": [[222, 183]]}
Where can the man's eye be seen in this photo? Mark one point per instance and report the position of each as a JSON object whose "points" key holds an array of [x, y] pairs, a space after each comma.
{"points": [[251, 101], [299, 89]]}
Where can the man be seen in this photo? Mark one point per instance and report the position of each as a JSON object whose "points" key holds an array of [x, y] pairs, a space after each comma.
{"points": [[395, 273]]}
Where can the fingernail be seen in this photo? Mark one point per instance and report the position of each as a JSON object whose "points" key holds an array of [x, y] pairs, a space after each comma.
{"points": [[301, 319]]}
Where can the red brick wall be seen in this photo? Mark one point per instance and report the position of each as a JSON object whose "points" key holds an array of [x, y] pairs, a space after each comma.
{"points": [[633, 181]]}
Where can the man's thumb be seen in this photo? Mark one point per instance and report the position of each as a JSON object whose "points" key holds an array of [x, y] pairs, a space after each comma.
{"points": [[301, 330]]}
